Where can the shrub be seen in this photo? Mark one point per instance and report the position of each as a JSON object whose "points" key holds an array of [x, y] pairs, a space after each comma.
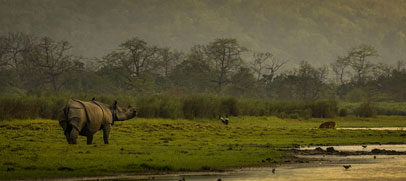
{"points": [[366, 109], [306, 114], [343, 112], [324, 108], [282, 115]]}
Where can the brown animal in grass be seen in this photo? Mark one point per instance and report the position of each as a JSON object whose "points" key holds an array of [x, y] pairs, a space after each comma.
{"points": [[85, 118], [328, 124]]}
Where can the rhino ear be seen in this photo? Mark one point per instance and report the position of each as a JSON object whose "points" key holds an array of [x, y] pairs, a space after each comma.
{"points": [[115, 104]]}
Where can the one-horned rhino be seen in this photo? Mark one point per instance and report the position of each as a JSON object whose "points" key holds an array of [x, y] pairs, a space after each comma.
{"points": [[85, 118]]}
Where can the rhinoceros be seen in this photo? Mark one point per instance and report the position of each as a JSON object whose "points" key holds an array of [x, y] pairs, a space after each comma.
{"points": [[85, 118]]}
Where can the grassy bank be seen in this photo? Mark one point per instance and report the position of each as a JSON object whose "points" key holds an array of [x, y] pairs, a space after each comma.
{"points": [[37, 148], [164, 106]]}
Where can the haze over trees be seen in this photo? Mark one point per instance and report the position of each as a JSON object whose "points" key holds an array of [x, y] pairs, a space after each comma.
{"points": [[284, 50], [31, 64]]}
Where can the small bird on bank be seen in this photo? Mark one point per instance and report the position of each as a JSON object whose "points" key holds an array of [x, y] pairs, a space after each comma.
{"points": [[374, 157], [347, 167], [224, 120], [273, 170], [93, 99], [364, 146]]}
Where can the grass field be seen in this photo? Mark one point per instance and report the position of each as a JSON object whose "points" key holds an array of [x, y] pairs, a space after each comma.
{"points": [[37, 148]]}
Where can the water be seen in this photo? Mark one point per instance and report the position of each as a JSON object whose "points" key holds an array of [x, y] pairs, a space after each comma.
{"points": [[383, 128], [384, 167], [329, 167]]}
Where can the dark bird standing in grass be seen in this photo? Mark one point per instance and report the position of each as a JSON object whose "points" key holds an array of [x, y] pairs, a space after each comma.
{"points": [[224, 120], [347, 167], [273, 170], [364, 146]]}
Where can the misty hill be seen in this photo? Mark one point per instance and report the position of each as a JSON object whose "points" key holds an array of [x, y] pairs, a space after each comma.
{"points": [[313, 30]]}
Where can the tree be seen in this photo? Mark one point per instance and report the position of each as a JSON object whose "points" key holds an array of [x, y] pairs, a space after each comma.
{"points": [[139, 58], [226, 57], [14, 48], [306, 83], [132, 64], [359, 61], [50, 60], [260, 63], [339, 68], [169, 59], [243, 82]]}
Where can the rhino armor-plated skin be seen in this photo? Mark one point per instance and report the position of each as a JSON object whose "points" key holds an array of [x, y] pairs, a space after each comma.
{"points": [[85, 118]]}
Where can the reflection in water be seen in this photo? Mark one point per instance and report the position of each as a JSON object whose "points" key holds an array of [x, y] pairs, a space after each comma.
{"points": [[385, 167], [383, 128], [364, 167], [359, 147]]}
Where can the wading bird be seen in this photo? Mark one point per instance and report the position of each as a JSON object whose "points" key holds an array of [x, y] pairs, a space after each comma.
{"points": [[224, 120], [347, 167]]}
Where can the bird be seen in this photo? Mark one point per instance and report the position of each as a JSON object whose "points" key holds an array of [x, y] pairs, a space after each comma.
{"points": [[93, 99], [273, 170], [374, 157], [347, 167], [364, 146], [224, 120]]}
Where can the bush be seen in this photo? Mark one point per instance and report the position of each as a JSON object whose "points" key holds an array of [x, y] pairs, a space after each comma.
{"points": [[294, 116], [343, 112], [324, 108], [366, 109], [282, 115], [306, 114]]}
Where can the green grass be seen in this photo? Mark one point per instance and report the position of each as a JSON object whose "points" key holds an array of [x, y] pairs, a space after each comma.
{"points": [[37, 148]]}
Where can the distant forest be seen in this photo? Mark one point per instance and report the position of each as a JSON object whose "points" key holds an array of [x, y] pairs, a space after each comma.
{"points": [[31, 65]]}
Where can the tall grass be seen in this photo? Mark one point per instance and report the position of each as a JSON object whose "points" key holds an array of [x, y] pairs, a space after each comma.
{"points": [[164, 106]]}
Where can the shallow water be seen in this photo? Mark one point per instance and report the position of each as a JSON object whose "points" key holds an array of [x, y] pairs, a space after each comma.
{"points": [[383, 128], [359, 147], [384, 167]]}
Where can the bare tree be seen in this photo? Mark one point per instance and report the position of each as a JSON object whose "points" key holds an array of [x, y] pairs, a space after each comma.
{"points": [[51, 59], [360, 63], [13, 49], [260, 63], [339, 68], [226, 55], [273, 67]]}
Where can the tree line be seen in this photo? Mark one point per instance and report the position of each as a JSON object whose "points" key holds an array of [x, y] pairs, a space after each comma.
{"points": [[30, 64]]}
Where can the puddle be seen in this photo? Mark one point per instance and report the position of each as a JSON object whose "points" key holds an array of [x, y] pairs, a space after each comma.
{"points": [[383, 128]]}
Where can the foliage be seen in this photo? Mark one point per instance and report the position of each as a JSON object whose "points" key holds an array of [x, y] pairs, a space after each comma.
{"points": [[366, 109]]}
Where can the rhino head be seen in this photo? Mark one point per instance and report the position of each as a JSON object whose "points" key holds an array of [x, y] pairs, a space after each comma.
{"points": [[122, 114]]}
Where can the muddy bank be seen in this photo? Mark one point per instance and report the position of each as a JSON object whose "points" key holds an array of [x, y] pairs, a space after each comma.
{"points": [[332, 151]]}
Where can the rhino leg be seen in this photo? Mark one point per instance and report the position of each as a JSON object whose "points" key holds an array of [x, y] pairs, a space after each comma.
{"points": [[74, 136], [89, 139], [106, 132]]}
